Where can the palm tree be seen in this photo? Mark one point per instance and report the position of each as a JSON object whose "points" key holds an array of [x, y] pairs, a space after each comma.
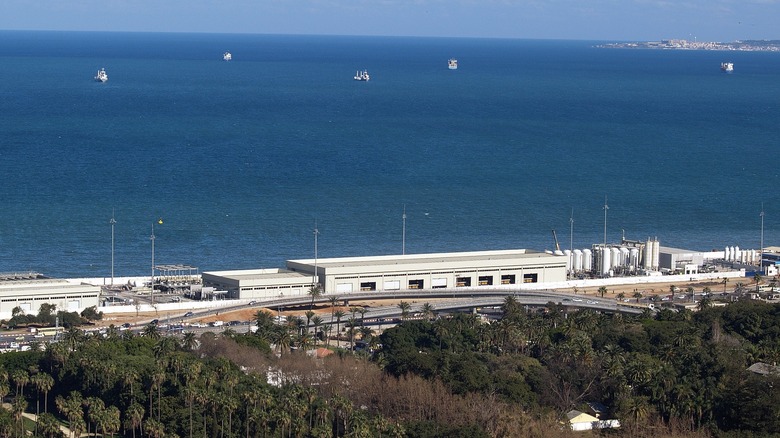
{"points": [[316, 321], [189, 341], [510, 308], [427, 311], [47, 425], [757, 279], [637, 295], [333, 300], [404, 306], [151, 331], [602, 291], [315, 291], [18, 407], [338, 314], [44, 383], [620, 296], [309, 315], [134, 416], [21, 378]]}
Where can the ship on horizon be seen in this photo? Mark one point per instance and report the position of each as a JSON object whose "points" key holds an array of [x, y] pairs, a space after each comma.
{"points": [[362, 75], [452, 64], [728, 67], [101, 75]]}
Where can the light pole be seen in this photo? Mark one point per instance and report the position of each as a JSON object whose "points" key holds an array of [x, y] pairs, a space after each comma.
{"points": [[112, 222], [316, 281], [606, 207], [571, 231], [761, 251], [151, 284], [151, 294], [403, 232]]}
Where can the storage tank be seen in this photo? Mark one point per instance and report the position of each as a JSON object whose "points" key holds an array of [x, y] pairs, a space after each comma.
{"points": [[727, 254], [606, 260], [587, 260], [649, 255], [737, 254], [624, 256], [615, 252], [633, 258], [567, 253], [577, 260], [656, 254]]}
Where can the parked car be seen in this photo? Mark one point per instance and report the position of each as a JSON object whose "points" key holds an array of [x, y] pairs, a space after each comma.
{"points": [[188, 314]]}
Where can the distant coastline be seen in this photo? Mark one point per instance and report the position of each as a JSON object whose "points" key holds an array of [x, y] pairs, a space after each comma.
{"points": [[742, 46]]}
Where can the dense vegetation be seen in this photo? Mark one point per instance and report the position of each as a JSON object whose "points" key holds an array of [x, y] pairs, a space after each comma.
{"points": [[681, 372], [673, 374]]}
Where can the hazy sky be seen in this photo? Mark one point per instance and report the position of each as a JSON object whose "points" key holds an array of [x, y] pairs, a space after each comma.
{"points": [[710, 20]]}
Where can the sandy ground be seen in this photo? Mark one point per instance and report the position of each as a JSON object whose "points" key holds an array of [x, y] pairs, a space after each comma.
{"points": [[628, 290]]}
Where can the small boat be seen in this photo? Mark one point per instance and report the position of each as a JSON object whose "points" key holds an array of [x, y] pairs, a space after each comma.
{"points": [[452, 64], [728, 67], [362, 75], [101, 75], [227, 56]]}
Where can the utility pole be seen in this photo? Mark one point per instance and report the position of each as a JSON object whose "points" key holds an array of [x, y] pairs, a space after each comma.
{"points": [[112, 222], [403, 232], [316, 234], [606, 207]]}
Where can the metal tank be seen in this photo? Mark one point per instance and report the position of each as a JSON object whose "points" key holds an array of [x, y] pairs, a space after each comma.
{"points": [[587, 260]]}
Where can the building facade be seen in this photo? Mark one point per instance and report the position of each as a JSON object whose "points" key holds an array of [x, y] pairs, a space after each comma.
{"points": [[390, 273], [28, 295], [258, 284]]}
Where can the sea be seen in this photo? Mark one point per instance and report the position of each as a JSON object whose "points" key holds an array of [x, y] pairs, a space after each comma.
{"points": [[234, 165]]}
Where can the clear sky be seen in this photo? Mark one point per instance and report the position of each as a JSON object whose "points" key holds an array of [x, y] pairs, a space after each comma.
{"points": [[705, 20]]}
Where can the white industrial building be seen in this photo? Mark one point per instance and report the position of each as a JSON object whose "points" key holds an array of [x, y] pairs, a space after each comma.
{"points": [[433, 271], [29, 294], [256, 284]]}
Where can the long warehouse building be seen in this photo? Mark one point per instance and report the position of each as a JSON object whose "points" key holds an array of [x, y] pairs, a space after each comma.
{"points": [[432, 271]]}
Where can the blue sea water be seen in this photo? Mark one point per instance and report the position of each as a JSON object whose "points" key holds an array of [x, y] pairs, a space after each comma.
{"points": [[241, 159]]}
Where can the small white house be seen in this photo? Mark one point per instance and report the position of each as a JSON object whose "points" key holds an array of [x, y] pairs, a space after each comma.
{"points": [[579, 421]]}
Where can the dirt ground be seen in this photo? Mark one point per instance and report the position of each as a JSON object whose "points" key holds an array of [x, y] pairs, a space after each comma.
{"points": [[247, 314]]}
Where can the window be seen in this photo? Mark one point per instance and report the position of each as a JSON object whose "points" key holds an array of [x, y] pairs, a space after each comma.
{"points": [[508, 279], [530, 278], [485, 280], [462, 281]]}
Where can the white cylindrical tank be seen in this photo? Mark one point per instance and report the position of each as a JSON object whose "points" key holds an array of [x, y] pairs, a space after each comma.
{"points": [[587, 260], [567, 253], [633, 258], [624, 256], [727, 253], [649, 255], [656, 254], [577, 260], [737, 254], [606, 260]]}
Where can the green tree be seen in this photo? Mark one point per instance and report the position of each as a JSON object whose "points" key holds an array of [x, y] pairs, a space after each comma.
{"points": [[404, 306]]}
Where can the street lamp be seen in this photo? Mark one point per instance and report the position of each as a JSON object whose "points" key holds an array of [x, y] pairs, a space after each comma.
{"points": [[761, 251], [403, 232], [606, 207], [112, 222], [316, 277], [151, 294]]}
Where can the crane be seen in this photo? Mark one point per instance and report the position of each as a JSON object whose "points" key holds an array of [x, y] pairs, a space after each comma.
{"points": [[555, 238]]}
